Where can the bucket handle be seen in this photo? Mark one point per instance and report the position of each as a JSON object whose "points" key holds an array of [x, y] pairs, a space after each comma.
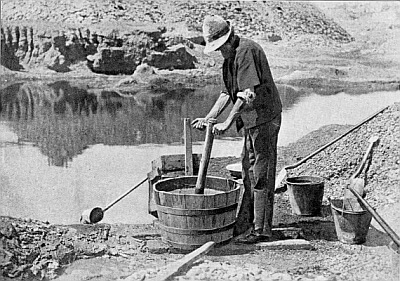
{"points": [[330, 202], [351, 206]]}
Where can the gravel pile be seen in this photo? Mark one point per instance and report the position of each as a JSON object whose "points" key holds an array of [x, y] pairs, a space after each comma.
{"points": [[285, 19], [215, 271], [83, 12], [265, 19], [303, 18], [338, 162]]}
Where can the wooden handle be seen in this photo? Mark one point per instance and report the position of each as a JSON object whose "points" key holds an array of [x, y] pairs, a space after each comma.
{"points": [[184, 263], [188, 147], [123, 195], [377, 217], [335, 140], [372, 142], [205, 159]]}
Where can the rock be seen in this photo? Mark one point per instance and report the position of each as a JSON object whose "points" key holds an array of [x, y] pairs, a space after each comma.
{"points": [[288, 233], [291, 244], [175, 57], [111, 60], [144, 74], [156, 247], [274, 38], [144, 70], [8, 230]]}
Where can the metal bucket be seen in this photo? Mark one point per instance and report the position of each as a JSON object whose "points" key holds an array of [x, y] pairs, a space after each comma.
{"points": [[351, 226], [92, 215], [305, 194], [188, 220]]}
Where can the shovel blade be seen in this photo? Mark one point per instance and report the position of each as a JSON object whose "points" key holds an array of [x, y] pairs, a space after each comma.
{"points": [[358, 185], [350, 200], [279, 179]]}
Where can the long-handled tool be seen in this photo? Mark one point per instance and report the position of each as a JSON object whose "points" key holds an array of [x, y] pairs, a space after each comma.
{"points": [[184, 263], [205, 159], [377, 217], [283, 173], [187, 132], [96, 214], [356, 183]]}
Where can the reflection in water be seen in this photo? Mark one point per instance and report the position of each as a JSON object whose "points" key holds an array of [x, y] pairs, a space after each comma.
{"points": [[63, 120]]}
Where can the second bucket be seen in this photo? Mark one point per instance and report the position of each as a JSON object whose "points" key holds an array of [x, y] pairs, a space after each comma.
{"points": [[305, 194], [351, 226]]}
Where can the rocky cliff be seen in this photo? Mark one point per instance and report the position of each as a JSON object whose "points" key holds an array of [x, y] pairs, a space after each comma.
{"points": [[103, 48], [114, 37]]}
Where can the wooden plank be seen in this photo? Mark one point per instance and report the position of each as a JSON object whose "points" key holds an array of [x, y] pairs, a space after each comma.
{"points": [[153, 177], [196, 162], [156, 164], [291, 244], [171, 162], [174, 162], [188, 147]]}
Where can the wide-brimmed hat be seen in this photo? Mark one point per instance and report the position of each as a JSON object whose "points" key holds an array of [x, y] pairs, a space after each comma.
{"points": [[216, 32]]}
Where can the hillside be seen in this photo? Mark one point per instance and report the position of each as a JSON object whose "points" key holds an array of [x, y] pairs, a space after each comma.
{"points": [[303, 40]]}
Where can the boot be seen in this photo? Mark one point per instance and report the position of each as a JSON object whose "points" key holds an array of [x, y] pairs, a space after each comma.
{"points": [[244, 220], [257, 235]]}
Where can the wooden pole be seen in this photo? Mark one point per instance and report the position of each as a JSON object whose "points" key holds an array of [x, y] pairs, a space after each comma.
{"points": [[393, 235], [349, 200], [205, 159], [187, 131], [184, 263], [283, 173]]}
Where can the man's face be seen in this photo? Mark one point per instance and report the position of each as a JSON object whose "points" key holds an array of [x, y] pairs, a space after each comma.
{"points": [[227, 51]]}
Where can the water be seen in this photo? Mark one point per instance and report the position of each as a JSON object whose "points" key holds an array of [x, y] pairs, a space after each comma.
{"points": [[64, 149]]}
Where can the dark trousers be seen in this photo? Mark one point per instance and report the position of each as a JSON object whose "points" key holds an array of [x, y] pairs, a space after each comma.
{"points": [[259, 157]]}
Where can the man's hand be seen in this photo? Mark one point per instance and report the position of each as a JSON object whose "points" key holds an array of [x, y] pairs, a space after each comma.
{"points": [[199, 123], [220, 128]]}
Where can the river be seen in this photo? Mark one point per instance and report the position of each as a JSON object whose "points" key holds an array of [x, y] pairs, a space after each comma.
{"points": [[64, 149]]}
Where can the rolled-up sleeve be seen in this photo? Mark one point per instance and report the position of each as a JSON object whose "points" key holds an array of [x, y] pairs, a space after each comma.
{"points": [[247, 95]]}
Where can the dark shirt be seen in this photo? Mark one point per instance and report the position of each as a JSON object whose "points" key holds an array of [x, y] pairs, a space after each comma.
{"points": [[249, 68]]}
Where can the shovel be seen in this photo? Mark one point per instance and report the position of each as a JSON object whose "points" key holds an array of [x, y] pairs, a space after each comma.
{"points": [[283, 173], [350, 201], [205, 159], [377, 217], [96, 214], [184, 263]]}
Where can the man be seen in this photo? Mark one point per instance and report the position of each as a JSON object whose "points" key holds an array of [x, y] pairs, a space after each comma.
{"points": [[257, 109]]}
